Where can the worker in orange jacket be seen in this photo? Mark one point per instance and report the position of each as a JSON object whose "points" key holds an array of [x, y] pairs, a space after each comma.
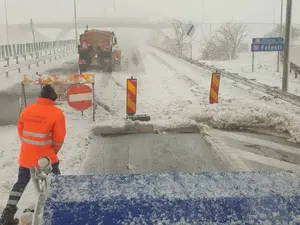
{"points": [[42, 131]]}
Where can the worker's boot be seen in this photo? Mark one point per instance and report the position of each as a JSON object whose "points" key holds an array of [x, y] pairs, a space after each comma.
{"points": [[8, 214]]}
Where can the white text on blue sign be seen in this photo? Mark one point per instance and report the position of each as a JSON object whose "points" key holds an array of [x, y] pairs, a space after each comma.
{"points": [[267, 47]]}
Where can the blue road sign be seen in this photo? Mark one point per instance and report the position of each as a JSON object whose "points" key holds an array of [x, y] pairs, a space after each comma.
{"points": [[276, 47], [271, 40]]}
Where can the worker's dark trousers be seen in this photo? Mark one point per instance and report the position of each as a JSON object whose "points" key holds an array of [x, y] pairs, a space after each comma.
{"points": [[23, 180]]}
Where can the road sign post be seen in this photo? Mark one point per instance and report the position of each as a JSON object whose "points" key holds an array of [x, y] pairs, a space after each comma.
{"points": [[286, 59], [281, 34], [272, 44], [190, 31]]}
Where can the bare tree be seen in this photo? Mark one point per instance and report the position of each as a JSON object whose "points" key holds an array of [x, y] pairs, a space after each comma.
{"points": [[226, 42], [179, 36], [276, 32], [231, 35], [210, 49]]}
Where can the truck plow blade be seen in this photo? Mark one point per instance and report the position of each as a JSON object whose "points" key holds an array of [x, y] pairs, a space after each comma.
{"points": [[181, 198]]}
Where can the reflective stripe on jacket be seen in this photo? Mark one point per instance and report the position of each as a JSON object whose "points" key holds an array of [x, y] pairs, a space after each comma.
{"points": [[41, 128]]}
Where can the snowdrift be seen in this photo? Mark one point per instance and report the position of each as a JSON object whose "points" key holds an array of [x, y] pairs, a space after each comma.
{"points": [[235, 115], [123, 127], [249, 114]]}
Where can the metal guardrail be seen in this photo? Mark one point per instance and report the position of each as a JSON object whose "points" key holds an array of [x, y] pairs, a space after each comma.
{"points": [[9, 51], [36, 61], [277, 93], [15, 52], [295, 68]]}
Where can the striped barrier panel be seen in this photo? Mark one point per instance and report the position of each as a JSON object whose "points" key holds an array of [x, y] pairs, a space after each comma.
{"points": [[131, 96], [179, 198], [214, 88]]}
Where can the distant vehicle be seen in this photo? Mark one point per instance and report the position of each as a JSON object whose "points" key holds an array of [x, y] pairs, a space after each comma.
{"points": [[100, 46]]}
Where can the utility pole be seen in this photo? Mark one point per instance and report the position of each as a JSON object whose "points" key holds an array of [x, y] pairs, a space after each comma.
{"points": [[105, 16], [281, 19], [281, 34], [203, 5], [286, 61], [75, 23], [33, 36], [6, 20]]}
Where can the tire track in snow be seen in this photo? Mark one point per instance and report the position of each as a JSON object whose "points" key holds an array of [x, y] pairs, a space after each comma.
{"points": [[117, 83], [229, 89], [195, 88], [158, 91], [227, 155], [114, 102], [104, 106], [104, 87]]}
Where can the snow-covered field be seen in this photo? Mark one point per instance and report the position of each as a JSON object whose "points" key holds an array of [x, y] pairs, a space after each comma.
{"points": [[172, 92]]}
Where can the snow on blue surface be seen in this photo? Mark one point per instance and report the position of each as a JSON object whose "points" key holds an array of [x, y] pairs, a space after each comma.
{"points": [[206, 198]]}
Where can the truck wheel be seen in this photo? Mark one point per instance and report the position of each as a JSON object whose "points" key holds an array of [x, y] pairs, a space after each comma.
{"points": [[82, 68], [109, 69]]}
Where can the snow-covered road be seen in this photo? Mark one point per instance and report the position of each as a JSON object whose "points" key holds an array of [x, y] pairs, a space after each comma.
{"points": [[150, 153], [174, 93]]}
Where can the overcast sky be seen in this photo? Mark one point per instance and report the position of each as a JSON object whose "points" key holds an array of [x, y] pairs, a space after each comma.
{"points": [[20, 11]]}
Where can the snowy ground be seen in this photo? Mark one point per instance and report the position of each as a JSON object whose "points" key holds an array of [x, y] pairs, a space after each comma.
{"points": [[172, 92]]}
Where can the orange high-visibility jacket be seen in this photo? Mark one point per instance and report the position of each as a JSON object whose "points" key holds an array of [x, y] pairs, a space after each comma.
{"points": [[42, 131]]}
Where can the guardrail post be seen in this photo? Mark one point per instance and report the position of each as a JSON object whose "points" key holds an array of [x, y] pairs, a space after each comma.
{"points": [[17, 61], [7, 64]]}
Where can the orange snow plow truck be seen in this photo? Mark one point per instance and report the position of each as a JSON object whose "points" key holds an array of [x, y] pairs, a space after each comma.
{"points": [[99, 46]]}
